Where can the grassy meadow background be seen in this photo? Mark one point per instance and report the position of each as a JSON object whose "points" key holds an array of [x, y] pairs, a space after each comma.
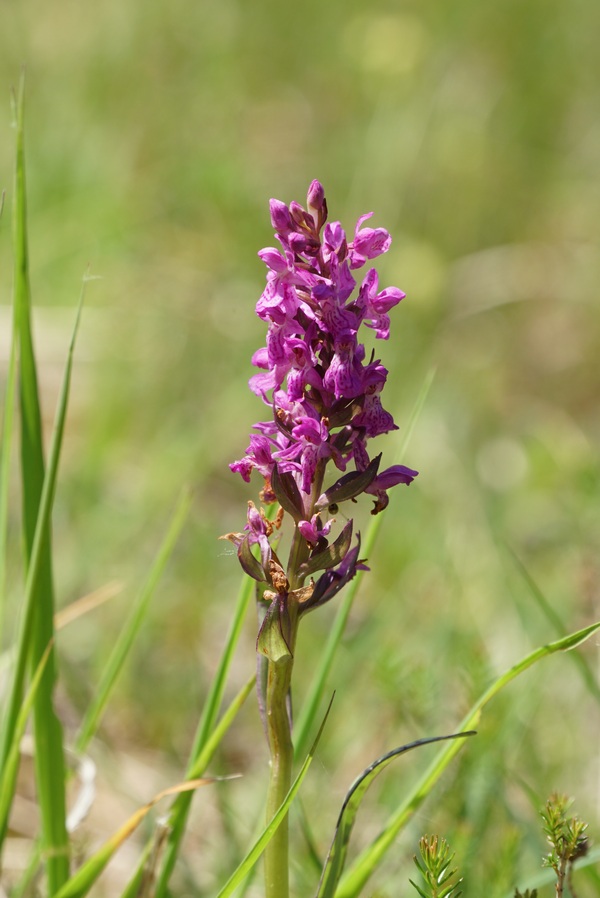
{"points": [[156, 134]]}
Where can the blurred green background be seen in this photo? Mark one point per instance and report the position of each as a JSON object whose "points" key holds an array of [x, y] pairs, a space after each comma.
{"points": [[156, 134]]}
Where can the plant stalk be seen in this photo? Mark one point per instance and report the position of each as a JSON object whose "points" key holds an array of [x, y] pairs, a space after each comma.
{"points": [[282, 756], [279, 724]]}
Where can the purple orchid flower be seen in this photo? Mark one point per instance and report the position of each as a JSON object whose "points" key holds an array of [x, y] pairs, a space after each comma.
{"points": [[324, 393]]}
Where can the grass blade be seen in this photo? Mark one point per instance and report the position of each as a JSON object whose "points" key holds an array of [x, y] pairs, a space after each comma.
{"points": [[131, 628], [559, 628], [5, 446], [212, 743], [306, 718], [259, 846], [336, 858], [37, 495], [358, 874], [85, 604]]}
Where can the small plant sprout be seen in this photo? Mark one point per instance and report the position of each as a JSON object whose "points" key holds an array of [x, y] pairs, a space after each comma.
{"points": [[439, 879], [567, 838]]}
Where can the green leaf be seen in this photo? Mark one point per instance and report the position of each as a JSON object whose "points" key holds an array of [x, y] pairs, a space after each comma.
{"points": [[129, 632], [354, 880], [336, 858], [265, 837]]}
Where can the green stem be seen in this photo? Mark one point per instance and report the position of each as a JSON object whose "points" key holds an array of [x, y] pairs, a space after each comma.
{"points": [[561, 872], [279, 679], [282, 756]]}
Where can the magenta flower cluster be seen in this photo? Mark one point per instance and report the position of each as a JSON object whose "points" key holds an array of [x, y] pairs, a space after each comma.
{"points": [[314, 375]]}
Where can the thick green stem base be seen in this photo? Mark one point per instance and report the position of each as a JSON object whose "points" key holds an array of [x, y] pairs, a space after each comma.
{"points": [[282, 754]]}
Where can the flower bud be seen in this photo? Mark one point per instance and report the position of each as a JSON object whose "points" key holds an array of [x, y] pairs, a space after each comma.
{"points": [[280, 216], [316, 204], [315, 196]]}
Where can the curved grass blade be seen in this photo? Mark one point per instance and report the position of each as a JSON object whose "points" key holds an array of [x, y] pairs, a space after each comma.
{"points": [[82, 881], [306, 718], [336, 858], [259, 846], [353, 881], [129, 632], [204, 738], [555, 620]]}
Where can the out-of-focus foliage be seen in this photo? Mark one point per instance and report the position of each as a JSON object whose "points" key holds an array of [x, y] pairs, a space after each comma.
{"points": [[156, 133]]}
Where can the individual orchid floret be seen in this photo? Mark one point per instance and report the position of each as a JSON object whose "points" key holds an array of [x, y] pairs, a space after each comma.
{"points": [[368, 243], [343, 377], [256, 532], [314, 530], [374, 306], [280, 216], [258, 455]]}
